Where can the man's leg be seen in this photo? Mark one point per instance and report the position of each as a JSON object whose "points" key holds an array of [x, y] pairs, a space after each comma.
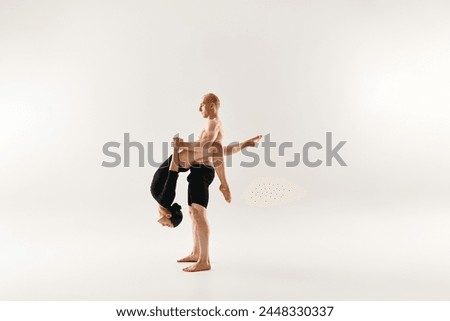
{"points": [[195, 254], [199, 179], [201, 231]]}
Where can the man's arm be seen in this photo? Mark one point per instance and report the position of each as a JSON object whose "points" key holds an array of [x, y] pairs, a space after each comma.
{"points": [[211, 133], [209, 136]]}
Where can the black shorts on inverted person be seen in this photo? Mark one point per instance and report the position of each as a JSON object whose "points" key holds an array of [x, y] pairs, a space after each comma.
{"points": [[164, 184]]}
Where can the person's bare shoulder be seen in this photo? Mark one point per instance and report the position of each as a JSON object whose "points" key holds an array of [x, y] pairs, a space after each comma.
{"points": [[219, 130], [214, 121], [214, 125]]}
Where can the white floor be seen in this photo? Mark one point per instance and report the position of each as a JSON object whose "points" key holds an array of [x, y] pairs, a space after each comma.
{"points": [[304, 252]]}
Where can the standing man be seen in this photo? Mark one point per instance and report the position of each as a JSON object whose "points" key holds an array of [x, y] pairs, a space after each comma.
{"points": [[202, 163], [201, 176]]}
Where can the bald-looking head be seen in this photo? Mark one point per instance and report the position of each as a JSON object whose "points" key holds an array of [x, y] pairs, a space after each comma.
{"points": [[209, 106], [211, 98]]}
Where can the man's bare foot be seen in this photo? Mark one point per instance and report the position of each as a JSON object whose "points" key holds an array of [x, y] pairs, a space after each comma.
{"points": [[189, 258], [199, 266], [251, 142], [226, 192]]}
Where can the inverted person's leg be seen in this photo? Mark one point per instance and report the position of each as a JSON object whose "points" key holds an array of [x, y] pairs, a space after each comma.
{"points": [[168, 192], [219, 163], [166, 195], [237, 147], [190, 157], [219, 167]]}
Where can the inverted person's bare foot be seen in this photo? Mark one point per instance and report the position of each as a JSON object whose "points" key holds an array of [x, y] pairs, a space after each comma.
{"points": [[251, 142], [199, 266], [226, 192], [189, 258]]}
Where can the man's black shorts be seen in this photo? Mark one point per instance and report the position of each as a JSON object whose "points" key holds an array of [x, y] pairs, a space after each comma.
{"points": [[199, 179]]}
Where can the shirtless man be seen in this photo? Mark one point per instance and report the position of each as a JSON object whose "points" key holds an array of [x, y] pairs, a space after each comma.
{"points": [[213, 133], [202, 163], [210, 138]]}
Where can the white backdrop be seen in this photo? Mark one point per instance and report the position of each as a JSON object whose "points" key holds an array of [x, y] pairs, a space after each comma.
{"points": [[77, 74]]}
